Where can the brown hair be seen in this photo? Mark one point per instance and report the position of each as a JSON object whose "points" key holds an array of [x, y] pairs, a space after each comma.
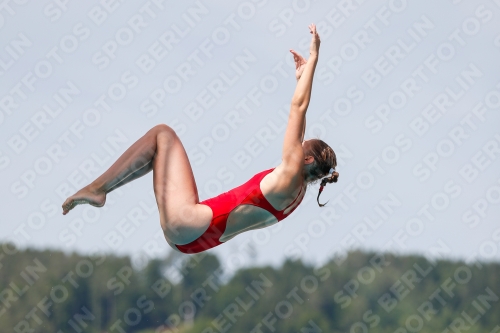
{"points": [[324, 161]]}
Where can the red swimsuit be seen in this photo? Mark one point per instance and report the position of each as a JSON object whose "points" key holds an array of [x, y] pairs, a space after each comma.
{"points": [[223, 204]]}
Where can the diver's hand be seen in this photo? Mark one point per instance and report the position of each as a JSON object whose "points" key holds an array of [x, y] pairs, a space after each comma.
{"points": [[300, 64], [315, 40]]}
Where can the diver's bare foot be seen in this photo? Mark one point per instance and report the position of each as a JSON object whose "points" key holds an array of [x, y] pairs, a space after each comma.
{"points": [[86, 195]]}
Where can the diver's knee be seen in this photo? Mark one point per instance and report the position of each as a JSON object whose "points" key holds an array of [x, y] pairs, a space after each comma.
{"points": [[165, 130]]}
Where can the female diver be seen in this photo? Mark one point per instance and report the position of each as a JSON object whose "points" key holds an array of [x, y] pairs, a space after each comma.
{"points": [[191, 226]]}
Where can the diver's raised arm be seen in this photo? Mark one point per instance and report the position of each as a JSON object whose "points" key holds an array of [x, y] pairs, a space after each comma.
{"points": [[305, 72], [292, 155]]}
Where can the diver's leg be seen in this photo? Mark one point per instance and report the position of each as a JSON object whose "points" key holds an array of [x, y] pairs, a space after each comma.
{"points": [[182, 218], [135, 162], [134, 175]]}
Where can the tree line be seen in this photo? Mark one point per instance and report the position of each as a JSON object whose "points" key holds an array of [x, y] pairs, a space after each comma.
{"points": [[50, 291]]}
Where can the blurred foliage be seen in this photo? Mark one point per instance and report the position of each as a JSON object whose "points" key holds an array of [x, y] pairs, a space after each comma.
{"points": [[49, 291]]}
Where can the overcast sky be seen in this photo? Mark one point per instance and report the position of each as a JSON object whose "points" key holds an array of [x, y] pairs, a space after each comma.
{"points": [[406, 92]]}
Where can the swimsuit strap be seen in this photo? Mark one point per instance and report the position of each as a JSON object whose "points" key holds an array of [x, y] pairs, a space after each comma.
{"points": [[298, 195], [282, 214], [257, 198]]}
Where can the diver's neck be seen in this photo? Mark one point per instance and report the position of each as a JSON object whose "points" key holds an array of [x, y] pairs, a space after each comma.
{"points": [[306, 175]]}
